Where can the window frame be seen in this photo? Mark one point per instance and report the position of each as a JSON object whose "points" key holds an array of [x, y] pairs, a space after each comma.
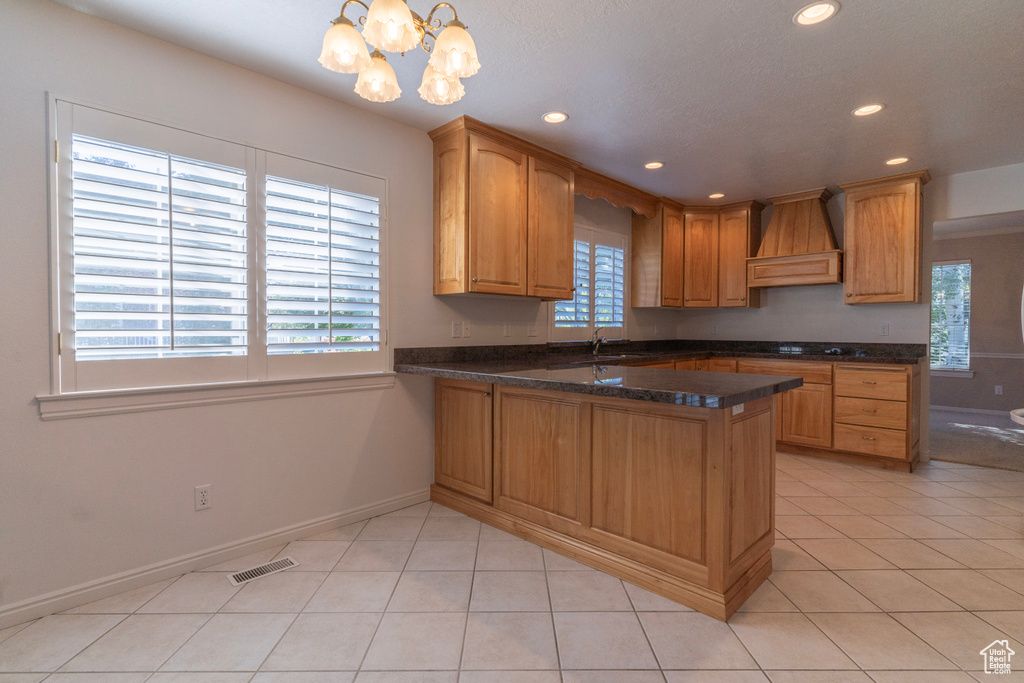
{"points": [[607, 238], [202, 373], [950, 370]]}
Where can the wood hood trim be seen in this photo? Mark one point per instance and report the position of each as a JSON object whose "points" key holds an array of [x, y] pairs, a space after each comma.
{"points": [[799, 246]]}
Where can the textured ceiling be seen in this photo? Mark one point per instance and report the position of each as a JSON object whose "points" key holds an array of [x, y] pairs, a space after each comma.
{"points": [[730, 95]]}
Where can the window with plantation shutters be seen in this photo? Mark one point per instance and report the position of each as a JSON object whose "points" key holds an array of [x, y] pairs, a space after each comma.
{"points": [[185, 259], [599, 262], [951, 315], [160, 254]]}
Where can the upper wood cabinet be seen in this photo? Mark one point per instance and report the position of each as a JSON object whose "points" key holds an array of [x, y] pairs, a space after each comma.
{"points": [[883, 239], [739, 233], [503, 214], [550, 230], [700, 258], [657, 258]]}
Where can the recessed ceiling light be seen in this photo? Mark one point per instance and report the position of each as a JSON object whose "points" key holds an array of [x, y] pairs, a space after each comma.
{"points": [[868, 109], [555, 116], [815, 13], [717, 195], [653, 165], [897, 161]]}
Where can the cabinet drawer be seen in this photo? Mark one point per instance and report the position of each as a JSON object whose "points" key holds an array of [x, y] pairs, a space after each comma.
{"points": [[888, 443], [871, 412], [812, 373], [688, 364], [889, 385]]}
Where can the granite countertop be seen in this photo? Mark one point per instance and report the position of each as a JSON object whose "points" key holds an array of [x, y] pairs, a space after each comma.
{"points": [[679, 387], [571, 368]]}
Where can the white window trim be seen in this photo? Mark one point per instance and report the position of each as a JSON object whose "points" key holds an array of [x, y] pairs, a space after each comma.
{"points": [[951, 372], [57, 405], [561, 335], [117, 401]]}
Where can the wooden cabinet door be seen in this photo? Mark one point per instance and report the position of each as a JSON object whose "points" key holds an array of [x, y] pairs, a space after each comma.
{"points": [[497, 217], [737, 240], [543, 469], [689, 364], [672, 257], [700, 260], [883, 243], [450, 214], [721, 365], [807, 415], [463, 437], [550, 231]]}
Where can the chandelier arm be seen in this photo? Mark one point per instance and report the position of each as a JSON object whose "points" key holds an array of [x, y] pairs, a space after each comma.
{"points": [[436, 23], [362, 19]]}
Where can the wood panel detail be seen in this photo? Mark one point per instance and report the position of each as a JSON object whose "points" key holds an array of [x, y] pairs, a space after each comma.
{"points": [[497, 217], [450, 218], [463, 464], [700, 260], [550, 230], [541, 445], [752, 493], [648, 480], [807, 415], [596, 186]]}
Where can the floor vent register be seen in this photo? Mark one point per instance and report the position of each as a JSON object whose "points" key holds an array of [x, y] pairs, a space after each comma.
{"points": [[248, 575]]}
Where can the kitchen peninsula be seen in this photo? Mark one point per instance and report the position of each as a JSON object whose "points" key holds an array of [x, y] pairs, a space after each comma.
{"points": [[663, 478]]}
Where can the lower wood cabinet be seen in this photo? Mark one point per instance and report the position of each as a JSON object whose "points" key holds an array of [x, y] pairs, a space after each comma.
{"points": [[676, 499], [464, 464], [804, 413]]}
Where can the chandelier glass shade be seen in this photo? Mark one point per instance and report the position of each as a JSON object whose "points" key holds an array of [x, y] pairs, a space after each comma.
{"points": [[440, 89], [391, 26], [378, 82]]}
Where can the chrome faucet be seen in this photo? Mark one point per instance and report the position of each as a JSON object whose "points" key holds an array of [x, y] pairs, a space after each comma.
{"points": [[597, 341]]}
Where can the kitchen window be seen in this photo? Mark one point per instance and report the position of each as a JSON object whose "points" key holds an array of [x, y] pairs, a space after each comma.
{"points": [[951, 315], [599, 278], [184, 259]]}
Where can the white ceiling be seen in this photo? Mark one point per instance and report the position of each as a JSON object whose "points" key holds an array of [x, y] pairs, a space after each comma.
{"points": [[730, 94]]}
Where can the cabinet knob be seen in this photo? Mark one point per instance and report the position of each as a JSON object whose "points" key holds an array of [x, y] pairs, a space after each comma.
{"points": [[743, 298], [849, 294], [474, 279], [574, 289], [687, 299], [486, 394]]}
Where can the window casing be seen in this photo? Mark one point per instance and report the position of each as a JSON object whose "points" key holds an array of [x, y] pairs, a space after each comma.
{"points": [[599, 299], [951, 315], [185, 259]]}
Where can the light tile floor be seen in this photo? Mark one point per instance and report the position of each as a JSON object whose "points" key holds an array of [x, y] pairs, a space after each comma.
{"points": [[878, 576]]}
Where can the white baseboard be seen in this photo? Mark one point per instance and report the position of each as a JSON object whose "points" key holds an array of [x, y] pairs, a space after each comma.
{"points": [[976, 411], [84, 593]]}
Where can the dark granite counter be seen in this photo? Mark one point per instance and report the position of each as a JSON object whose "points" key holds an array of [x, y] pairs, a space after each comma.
{"points": [[571, 368]]}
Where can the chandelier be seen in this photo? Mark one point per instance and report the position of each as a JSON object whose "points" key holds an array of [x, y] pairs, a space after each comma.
{"points": [[391, 26]]}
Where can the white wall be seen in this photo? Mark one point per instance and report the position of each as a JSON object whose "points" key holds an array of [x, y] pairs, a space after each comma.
{"points": [[89, 498]]}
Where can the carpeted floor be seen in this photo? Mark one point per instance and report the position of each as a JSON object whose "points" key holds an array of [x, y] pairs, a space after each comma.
{"points": [[977, 439]]}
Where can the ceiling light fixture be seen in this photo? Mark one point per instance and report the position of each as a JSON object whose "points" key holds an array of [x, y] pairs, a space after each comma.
{"points": [[653, 165], [897, 161], [815, 13], [717, 195], [391, 26], [556, 117], [868, 109]]}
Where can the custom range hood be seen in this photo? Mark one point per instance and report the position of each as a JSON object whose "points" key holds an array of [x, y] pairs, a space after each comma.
{"points": [[799, 247]]}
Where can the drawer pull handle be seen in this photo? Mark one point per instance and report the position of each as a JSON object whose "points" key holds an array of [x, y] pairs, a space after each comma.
{"points": [[868, 438], [867, 382], [869, 410]]}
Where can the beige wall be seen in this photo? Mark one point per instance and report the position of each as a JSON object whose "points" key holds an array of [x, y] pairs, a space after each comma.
{"points": [[997, 277]]}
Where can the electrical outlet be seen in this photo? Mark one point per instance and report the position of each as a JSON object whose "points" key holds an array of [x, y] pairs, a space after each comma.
{"points": [[507, 330], [883, 330], [999, 390], [203, 497], [531, 330], [714, 330], [456, 329], [465, 329]]}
